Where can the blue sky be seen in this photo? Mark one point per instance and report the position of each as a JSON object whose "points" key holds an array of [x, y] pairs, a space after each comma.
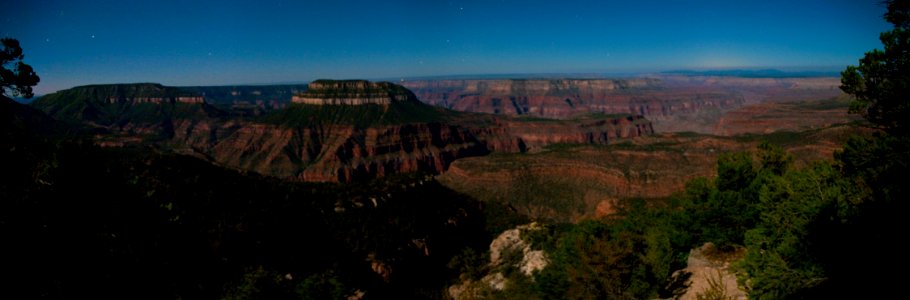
{"points": [[73, 43]]}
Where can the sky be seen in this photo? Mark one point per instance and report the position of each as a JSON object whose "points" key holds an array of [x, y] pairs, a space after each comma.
{"points": [[71, 43]]}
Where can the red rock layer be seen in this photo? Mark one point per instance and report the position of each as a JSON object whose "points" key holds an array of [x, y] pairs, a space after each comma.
{"points": [[673, 103], [342, 153]]}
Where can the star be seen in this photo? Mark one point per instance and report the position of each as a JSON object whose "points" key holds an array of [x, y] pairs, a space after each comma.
{"points": [[93, 36]]}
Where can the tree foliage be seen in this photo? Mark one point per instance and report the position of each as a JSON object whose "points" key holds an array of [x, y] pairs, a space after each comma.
{"points": [[630, 256], [786, 249], [881, 81], [834, 230], [16, 77], [877, 165], [722, 210]]}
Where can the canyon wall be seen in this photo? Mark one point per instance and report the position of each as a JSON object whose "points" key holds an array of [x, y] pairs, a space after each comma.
{"points": [[555, 98], [339, 147], [342, 153], [673, 103], [330, 152], [508, 135]]}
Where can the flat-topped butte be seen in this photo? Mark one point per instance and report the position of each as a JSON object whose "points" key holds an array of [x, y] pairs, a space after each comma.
{"points": [[353, 92]]}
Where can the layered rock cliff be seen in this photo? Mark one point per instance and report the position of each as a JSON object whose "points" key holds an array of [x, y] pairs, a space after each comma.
{"points": [[537, 97], [673, 103], [386, 131], [353, 92], [331, 152], [510, 135]]}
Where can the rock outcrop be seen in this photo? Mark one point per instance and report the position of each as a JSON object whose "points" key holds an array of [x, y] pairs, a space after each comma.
{"points": [[707, 265], [507, 246], [510, 240]]}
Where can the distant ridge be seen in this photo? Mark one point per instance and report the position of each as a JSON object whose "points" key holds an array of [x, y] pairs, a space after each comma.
{"points": [[760, 73], [118, 104], [510, 76]]}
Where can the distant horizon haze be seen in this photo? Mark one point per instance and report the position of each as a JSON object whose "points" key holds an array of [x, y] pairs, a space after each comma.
{"points": [[73, 43], [792, 72]]}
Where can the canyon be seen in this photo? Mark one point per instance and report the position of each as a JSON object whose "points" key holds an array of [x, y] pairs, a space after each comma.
{"points": [[571, 182], [673, 103], [547, 164], [586, 142], [344, 131], [700, 117]]}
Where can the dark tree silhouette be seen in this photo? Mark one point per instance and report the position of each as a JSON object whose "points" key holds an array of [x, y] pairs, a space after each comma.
{"points": [[16, 77], [881, 82], [878, 165]]}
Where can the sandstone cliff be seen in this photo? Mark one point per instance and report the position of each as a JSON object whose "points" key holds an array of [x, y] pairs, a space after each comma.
{"points": [[331, 152]]}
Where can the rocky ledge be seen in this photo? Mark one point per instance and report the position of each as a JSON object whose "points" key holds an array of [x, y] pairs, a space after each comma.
{"points": [[353, 92]]}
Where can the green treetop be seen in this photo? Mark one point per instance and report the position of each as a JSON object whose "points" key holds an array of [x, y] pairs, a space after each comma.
{"points": [[881, 82]]}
